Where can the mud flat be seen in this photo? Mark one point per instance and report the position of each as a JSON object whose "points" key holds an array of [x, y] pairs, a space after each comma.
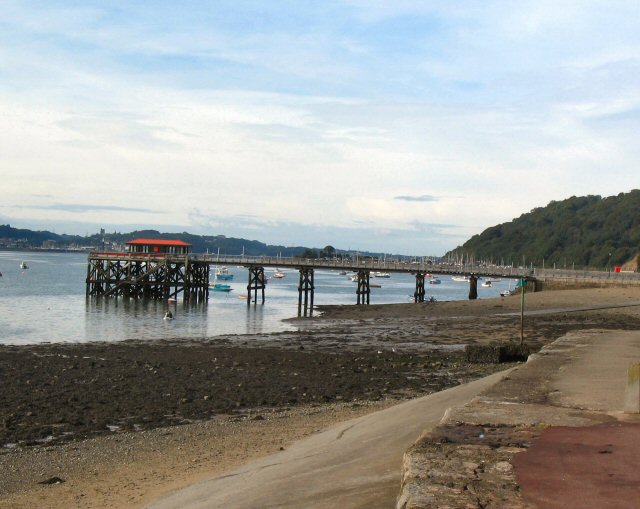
{"points": [[122, 422]]}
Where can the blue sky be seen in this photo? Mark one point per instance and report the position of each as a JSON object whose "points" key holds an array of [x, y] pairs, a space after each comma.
{"points": [[386, 126]]}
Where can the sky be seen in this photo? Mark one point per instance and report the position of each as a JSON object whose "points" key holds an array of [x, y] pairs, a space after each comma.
{"points": [[401, 127]]}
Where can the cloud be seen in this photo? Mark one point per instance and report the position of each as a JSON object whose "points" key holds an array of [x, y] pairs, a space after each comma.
{"points": [[422, 197], [79, 208], [418, 237]]}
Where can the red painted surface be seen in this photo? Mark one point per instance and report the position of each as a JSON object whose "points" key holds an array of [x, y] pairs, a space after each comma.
{"points": [[591, 467]]}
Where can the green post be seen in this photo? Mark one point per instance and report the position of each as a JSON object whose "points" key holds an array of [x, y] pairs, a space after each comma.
{"points": [[523, 287]]}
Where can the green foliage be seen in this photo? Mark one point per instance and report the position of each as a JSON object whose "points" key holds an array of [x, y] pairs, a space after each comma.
{"points": [[307, 253], [579, 231]]}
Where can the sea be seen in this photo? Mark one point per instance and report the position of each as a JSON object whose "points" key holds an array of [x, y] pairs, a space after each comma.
{"points": [[47, 303]]}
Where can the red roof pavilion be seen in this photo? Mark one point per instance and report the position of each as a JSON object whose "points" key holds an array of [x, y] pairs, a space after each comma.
{"points": [[158, 246]]}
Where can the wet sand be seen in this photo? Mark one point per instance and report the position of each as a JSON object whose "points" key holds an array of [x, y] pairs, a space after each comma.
{"points": [[122, 423]]}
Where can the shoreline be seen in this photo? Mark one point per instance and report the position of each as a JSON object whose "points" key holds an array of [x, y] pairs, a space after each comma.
{"points": [[336, 357]]}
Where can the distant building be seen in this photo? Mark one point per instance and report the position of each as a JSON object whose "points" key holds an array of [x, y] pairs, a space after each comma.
{"points": [[49, 244], [158, 246]]}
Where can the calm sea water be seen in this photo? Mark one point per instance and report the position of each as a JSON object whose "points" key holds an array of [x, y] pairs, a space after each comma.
{"points": [[47, 302]]}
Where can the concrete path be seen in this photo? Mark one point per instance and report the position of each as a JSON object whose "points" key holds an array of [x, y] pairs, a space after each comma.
{"points": [[591, 466], [355, 464]]}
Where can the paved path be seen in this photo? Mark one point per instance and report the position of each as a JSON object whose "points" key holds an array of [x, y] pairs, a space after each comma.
{"points": [[355, 464], [555, 311], [593, 466]]}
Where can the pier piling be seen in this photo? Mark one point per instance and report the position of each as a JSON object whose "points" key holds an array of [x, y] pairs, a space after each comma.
{"points": [[364, 290], [418, 295], [305, 287], [256, 282]]}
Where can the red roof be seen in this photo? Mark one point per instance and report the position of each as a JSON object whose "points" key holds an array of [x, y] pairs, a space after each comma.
{"points": [[158, 242]]}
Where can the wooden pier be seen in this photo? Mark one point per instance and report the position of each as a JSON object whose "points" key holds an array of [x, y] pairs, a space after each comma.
{"points": [[147, 273], [147, 276]]}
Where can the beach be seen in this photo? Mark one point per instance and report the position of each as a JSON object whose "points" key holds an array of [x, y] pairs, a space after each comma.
{"points": [[124, 423]]}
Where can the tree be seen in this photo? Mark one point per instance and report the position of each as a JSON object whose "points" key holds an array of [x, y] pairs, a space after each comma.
{"points": [[308, 253], [328, 252]]}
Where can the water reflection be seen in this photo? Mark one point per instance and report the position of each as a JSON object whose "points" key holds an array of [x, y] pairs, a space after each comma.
{"points": [[117, 319]]}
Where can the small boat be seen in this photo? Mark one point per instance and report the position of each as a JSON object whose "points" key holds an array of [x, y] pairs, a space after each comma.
{"points": [[380, 274], [222, 273], [172, 300], [219, 287], [486, 284], [374, 285], [168, 316], [460, 279], [435, 281], [278, 275], [23, 265], [506, 293], [343, 272]]}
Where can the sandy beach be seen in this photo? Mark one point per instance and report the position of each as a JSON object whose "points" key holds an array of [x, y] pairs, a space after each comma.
{"points": [[123, 423]]}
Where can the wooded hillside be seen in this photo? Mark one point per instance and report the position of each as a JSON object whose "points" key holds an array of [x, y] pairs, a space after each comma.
{"points": [[588, 231]]}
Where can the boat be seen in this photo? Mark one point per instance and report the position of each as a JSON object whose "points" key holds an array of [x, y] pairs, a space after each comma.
{"points": [[460, 279], [343, 272], [220, 287], [168, 316], [380, 274], [486, 284], [435, 281], [222, 273], [23, 265], [508, 292], [278, 275], [374, 285], [172, 300]]}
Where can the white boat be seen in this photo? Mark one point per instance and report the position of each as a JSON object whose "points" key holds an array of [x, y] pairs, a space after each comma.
{"points": [[222, 273], [23, 265], [508, 292], [486, 284], [278, 275], [460, 279], [380, 274]]}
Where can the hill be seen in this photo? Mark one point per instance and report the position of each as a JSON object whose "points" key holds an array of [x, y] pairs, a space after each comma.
{"points": [[15, 238], [588, 232]]}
